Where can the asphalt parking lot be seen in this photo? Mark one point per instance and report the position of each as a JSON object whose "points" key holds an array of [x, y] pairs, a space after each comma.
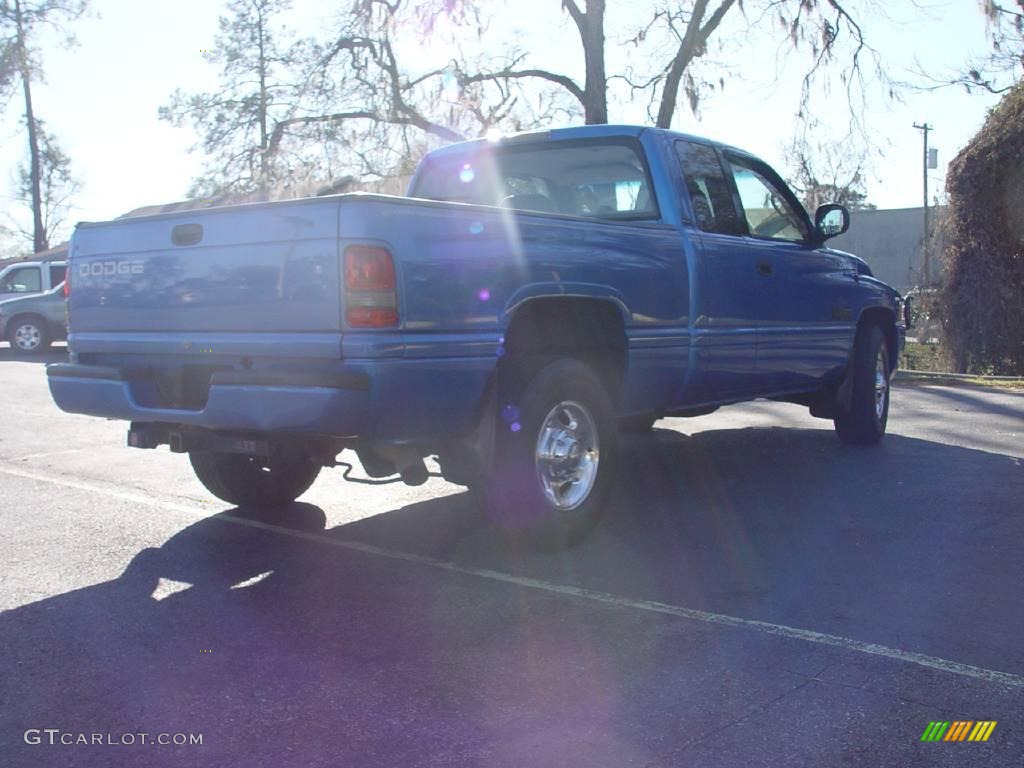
{"points": [[759, 595]]}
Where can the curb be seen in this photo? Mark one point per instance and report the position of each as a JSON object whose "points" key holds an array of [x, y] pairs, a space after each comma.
{"points": [[966, 376]]}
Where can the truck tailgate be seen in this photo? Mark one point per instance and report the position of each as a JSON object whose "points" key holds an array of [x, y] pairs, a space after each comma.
{"points": [[252, 268]]}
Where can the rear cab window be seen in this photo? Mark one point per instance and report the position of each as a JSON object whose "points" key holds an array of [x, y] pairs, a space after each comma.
{"points": [[603, 179]]}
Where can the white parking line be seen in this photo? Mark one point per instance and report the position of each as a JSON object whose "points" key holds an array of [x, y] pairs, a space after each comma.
{"points": [[764, 627], [46, 454]]}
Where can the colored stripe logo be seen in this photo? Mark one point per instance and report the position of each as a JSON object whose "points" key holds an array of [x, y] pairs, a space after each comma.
{"points": [[958, 730]]}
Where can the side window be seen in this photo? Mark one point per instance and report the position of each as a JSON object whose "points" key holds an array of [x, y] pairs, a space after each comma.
{"points": [[57, 275], [767, 210], [712, 201], [23, 280]]}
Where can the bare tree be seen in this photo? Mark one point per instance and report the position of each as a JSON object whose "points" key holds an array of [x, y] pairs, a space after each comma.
{"points": [[381, 114], [589, 22], [689, 30], [828, 172], [592, 96], [258, 89], [289, 118], [677, 35], [996, 72], [57, 187], [364, 111], [19, 63], [1004, 65]]}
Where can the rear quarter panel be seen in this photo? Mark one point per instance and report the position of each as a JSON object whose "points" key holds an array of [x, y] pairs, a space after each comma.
{"points": [[464, 270], [465, 267]]}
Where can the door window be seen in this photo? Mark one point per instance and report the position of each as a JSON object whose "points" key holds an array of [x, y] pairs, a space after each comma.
{"points": [[713, 207], [766, 208], [23, 280], [57, 275]]}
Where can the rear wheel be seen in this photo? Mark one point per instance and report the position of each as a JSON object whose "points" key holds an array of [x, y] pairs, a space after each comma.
{"points": [[28, 334], [864, 422], [249, 481], [554, 457]]}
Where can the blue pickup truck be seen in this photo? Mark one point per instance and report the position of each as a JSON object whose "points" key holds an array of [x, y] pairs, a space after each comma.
{"points": [[528, 299]]}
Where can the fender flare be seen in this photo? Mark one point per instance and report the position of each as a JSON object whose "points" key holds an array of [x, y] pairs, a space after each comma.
{"points": [[563, 290]]}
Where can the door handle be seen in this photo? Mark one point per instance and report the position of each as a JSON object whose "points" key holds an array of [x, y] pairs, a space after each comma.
{"points": [[764, 268]]}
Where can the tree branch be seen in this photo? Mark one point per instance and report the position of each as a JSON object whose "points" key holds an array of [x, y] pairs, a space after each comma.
{"points": [[514, 74], [692, 45], [574, 10]]}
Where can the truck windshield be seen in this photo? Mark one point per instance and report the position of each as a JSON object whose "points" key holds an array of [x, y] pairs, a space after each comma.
{"points": [[604, 179]]}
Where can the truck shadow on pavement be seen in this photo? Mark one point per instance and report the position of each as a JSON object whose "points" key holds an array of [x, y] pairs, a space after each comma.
{"points": [[316, 647]]}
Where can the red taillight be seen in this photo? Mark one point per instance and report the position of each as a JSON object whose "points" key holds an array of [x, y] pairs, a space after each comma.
{"points": [[370, 297], [371, 317], [67, 287], [369, 268]]}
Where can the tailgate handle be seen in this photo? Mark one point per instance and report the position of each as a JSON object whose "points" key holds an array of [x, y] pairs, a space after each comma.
{"points": [[187, 234]]}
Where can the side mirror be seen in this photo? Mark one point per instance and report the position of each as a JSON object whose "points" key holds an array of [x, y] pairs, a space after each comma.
{"points": [[831, 219]]}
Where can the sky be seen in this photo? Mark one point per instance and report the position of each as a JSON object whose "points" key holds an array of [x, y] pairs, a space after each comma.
{"points": [[101, 97]]}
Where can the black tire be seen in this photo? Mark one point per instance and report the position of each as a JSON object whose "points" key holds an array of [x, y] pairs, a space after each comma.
{"points": [[637, 423], [559, 395], [248, 481], [29, 334], [864, 422]]}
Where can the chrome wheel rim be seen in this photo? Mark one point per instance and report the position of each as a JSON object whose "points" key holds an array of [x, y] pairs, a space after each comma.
{"points": [[27, 337], [881, 384], [567, 455]]}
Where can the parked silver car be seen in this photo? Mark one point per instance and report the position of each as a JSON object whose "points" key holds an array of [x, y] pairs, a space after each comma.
{"points": [[31, 323], [31, 277]]}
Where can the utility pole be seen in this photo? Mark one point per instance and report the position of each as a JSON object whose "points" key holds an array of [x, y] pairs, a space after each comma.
{"points": [[926, 264]]}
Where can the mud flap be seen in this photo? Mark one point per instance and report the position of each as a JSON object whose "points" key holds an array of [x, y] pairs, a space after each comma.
{"points": [[828, 406], [469, 460]]}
